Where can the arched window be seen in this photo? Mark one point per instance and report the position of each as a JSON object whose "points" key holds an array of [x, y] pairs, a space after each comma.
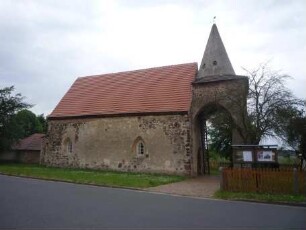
{"points": [[140, 148], [68, 148]]}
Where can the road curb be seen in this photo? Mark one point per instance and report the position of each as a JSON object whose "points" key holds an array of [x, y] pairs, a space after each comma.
{"points": [[71, 182], [302, 204]]}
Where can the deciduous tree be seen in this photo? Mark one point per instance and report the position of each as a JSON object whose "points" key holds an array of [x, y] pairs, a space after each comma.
{"points": [[293, 129], [270, 107], [9, 105], [268, 96], [28, 123]]}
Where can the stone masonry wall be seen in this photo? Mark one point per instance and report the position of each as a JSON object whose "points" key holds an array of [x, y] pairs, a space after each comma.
{"points": [[110, 143], [231, 95]]}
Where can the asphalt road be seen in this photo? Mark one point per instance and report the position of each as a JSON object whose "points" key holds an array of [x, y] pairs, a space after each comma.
{"points": [[29, 203]]}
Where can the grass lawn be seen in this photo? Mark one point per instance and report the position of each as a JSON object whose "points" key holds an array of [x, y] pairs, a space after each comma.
{"points": [[214, 172], [259, 197], [86, 176]]}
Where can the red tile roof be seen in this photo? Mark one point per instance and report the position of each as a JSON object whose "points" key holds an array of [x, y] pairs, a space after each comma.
{"points": [[32, 142], [154, 90]]}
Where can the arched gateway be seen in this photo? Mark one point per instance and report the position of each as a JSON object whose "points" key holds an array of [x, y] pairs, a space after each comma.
{"points": [[216, 88]]}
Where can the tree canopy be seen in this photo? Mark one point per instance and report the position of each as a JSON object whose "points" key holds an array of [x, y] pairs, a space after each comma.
{"points": [[268, 96], [272, 111], [28, 123], [293, 129], [220, 133], [16, 121], [9, 106]]}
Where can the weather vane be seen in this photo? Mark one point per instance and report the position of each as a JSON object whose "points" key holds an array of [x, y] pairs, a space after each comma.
{"points": [[214, 20]]}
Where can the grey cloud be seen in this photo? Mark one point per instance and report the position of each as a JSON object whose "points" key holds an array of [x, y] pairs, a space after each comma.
{"points": [[45, 45]]}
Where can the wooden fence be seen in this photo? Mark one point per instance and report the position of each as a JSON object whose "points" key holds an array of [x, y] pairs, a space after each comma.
{"points": [[275, 181]]}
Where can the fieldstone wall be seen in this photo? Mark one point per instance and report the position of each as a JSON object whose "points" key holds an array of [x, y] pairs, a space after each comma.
{"points": [[231, 95], [110, 143]]}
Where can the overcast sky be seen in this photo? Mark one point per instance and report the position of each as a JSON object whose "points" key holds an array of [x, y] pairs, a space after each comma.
{"points": [[46, 45]]}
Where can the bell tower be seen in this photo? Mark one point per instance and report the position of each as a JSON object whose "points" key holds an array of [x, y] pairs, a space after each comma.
{"points": [[216, 88]]}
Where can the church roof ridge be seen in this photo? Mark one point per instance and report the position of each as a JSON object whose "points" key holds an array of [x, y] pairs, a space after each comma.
{"points": [[115, 74]]}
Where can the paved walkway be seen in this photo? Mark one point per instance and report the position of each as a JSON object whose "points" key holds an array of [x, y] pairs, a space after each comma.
{"points": [[202, 186]]}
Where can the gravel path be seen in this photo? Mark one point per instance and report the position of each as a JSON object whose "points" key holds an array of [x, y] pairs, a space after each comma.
{"points": [[204, 186]]}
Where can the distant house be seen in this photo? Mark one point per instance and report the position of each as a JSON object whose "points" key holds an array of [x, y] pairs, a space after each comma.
{"points": [[27, 150]]}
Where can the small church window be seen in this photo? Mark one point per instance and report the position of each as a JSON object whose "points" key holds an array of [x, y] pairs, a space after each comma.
{"points": [[215, 63], [69, 146], [140, 149]]}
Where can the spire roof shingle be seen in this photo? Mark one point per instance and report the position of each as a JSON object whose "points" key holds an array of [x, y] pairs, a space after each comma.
{"points": [[215, 60]]}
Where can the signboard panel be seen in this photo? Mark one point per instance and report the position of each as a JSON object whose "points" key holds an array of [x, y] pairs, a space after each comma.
{"points": [[263, 156], [247, 156], [254, 154]]}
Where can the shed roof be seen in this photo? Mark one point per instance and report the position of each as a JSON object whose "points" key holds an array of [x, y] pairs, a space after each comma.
{"points": [[32, 142], [153, 90]]}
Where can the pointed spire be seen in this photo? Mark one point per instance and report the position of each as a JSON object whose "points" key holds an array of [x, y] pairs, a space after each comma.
{"points": [[215, 60]]}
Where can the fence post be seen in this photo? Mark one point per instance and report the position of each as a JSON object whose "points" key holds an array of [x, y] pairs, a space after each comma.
{"points": [[221, 179], [295, 182]]}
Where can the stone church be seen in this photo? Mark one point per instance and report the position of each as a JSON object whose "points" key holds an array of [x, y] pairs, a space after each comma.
{"points": [[148, 120]]}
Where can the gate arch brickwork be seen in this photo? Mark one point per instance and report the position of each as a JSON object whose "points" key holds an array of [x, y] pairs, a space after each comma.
{"points": [[229, 94]]}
